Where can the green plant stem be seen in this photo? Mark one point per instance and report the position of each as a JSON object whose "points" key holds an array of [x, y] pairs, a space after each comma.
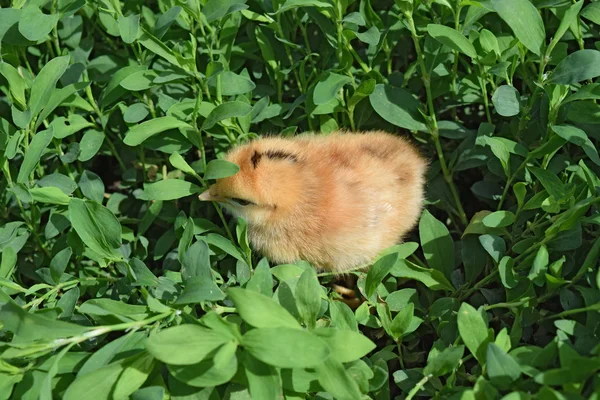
{"points": [[455, 64], [484, 94], [104, 329], [433, 122], [28, 222], [218, 209], [289, 54], [111, 145], [63, 285], [494, 272], [509, 182], [418, 386], [359, 268], [417, 261], [55, 30], [360, 62], [566, 313], [507, 305]]}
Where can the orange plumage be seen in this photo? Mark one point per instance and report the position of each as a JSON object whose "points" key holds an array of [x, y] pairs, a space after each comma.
{"points": [[335, 201]]}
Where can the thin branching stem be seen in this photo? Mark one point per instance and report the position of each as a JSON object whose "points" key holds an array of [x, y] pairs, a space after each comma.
{"points": [[433, 128]]}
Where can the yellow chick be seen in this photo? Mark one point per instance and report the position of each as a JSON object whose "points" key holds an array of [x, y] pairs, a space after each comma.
{"points": [[335, 201]]}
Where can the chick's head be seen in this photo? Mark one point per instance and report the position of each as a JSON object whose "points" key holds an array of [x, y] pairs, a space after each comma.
{"points": [[268, 184]]}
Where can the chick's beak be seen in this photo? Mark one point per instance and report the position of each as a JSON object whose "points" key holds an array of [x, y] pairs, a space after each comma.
{"points": [[207, 196]]}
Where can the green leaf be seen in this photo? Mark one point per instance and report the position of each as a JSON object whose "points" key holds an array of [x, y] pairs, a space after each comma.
{"points": [[196, 261], [9, 260], [103, 356], [568, 19], [433, 279], [473, 331], [520, 189], [139, 81], [157, 47], [494, 245], [286, 347], [169, 189], [91, 186], [206, 373], [579, 138], [16, 83], [97, 226], [499, 219], [59, 263], [524, 20], [584, 112], [59, 181], [129, 27], [506, 100], [232, 84], [167, 347], [49, 195], [261, 311], [262, 279], [402, 321], [437, 244], [226, 110], [378, 271], [489, 42], [29, 326], [215, 10], [502, 368], [445, 362], [540, 265], [576, 67], [217, 169], [44, 83], [143, 276], [372, 36], [401, 298], [166, 20], [90, 144], [34, 153], [342, 316], [291, 4], [592, 12], [59, 97], [225, 244], [329, 87], [506, 270], [264, 381], [135, 113], [398, 107], [452, 38], [113, 90], [334, 378], [551, 183], [35, 25], [308, 297], [139, 133], [363, 90], [345, 345], [116, 380], [200, 289]]}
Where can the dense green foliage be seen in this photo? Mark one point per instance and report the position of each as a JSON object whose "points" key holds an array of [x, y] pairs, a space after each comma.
{"points": [[116, 282]]}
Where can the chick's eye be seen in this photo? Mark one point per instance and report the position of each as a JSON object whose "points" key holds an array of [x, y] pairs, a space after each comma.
{"points": [[242, 202]]}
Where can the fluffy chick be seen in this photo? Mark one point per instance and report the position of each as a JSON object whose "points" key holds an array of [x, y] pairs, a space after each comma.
{"points": [[335, 201]]}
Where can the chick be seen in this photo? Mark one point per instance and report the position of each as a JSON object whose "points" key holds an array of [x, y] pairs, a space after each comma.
{"points": [[335, 201]]}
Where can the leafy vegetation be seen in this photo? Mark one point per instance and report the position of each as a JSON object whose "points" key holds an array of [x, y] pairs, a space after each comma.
{"points": [[116, 282]]}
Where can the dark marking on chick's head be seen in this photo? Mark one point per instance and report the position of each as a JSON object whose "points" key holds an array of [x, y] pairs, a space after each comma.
{"points": [[378, 152], [255, 159], [281, 155]]}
